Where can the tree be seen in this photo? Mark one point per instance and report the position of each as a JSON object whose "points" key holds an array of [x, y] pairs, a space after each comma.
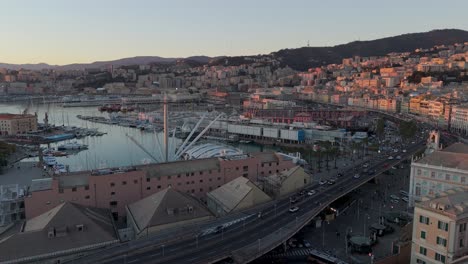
{"points": [[408, 129], [380, 127]]}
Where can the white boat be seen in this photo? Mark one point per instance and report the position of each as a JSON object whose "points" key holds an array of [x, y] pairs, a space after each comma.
{"points": [[49, 160], [72, 146]]}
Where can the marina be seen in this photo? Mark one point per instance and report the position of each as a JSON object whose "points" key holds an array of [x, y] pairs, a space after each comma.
{"points": [[113, 148]]}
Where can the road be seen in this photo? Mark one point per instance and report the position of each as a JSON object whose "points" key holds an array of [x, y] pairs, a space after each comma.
{"points": [[205, 248]]}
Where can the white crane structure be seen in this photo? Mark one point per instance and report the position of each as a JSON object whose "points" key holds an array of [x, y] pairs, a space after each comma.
{"points": [[168, 150]]}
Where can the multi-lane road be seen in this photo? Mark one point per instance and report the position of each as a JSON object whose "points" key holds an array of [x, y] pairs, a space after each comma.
{"points": [[249, 236]]}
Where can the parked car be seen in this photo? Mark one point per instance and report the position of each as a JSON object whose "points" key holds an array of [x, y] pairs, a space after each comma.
{"points": [[404, 193], [306, 243], [311, 192], [405, 199], [293, 209], [356, 176], [394, 197], [322, 182], [331, 182]]}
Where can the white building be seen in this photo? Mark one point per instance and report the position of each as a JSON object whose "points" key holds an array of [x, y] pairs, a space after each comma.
{"points": [[439, 171]]}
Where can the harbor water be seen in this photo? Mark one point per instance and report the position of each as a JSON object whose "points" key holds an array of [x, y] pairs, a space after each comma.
{"points": [[113, 149]]}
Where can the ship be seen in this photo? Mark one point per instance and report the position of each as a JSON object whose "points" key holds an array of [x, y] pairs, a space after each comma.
{"points": [[72, 146]]}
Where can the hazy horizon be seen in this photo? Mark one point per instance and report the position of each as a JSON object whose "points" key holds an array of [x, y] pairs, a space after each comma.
{"points": [[64, 32]]}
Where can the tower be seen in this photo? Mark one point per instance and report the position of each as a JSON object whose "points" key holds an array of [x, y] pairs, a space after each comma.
{"points": [[433, 142], [166, 145]]}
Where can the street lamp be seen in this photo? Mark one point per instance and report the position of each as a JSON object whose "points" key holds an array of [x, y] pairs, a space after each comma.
{"points": [[346, 237]]}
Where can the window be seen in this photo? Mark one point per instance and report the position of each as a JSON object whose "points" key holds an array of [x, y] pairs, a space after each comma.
{"points": [[178, 184], [463, 179], [201, 189], [187, 183], [148, 188], [237, 168], [178, 175], [439, 257], [209, 171], [124, 183], [86, 187], [418, 261], [245, 168], [423, 234], [269, 164], [193, 182], [201, 180], [80, 228], [169, 177], [74, 189], [462, 227], [135, 181], [112, 184], [209, 179], [461, 244], [423, 251], [419, 172], [442, 225], [187, 174], [447, 177], [113, 203], [245, 175], [441, 241], [86, 197], [148, 179], [60, 190], [159, 186], [219, 178], [263, 165], [201, 172], [424, 219], [112, 193], [193, 190], [191, 174], [432, 174]]}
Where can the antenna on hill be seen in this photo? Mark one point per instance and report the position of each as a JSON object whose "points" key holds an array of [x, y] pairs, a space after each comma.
{"points": [[308, 43]]}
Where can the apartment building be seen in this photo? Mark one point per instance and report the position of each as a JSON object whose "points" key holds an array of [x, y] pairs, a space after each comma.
{"points": [[439, 228], [439, 171], [459, 119], [11, 124]]}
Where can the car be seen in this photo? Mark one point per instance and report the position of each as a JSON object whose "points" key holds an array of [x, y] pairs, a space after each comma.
{"points": [[293, 209], [394, 201], [390, 157], [365, 165], [404, 151], [339, 174], [371, 172], [394, 197], [322, 182], [394, 168], [311, 192], [404, 193], [306, 243], [331, 182], [405, 199], [398, 157], [385, 165], [293, 200], [356, 176]]}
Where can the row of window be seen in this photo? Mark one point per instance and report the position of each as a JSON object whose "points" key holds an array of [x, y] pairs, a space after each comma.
{"points": [[423, 251], [441, 176], [440, 224]]}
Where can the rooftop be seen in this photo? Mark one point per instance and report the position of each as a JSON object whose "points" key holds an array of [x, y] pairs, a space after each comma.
{"points": [[455, 156], [231, 194], [67, 226], [452, 202], [164, 207], [6, 116]]}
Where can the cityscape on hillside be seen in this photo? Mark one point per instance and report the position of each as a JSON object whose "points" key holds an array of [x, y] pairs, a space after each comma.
{"points": [[343, 153]]}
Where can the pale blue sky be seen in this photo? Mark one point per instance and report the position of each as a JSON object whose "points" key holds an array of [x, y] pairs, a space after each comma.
{"points": [[69, 31]]}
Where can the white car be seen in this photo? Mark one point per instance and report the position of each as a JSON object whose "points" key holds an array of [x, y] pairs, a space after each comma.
{"points": [[322, 182], [311, 192], [390, 157], [398, 157], [404, 151], [394, 197], [356, 176], [405, 199], [293, 209]]}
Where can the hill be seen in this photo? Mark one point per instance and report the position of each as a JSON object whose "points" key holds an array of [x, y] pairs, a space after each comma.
{"points": [[307, 57]]}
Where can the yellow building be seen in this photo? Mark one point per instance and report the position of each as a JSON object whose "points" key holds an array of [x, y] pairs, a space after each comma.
{"points": [[286, 182], [235, 195], [439, 229], [11, 124]]}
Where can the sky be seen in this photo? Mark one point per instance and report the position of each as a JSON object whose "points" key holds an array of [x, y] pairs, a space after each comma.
{"points": [[71, 31]]}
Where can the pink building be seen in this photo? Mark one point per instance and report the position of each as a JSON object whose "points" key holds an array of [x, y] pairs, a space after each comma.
{"points": [[114, 188]]}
